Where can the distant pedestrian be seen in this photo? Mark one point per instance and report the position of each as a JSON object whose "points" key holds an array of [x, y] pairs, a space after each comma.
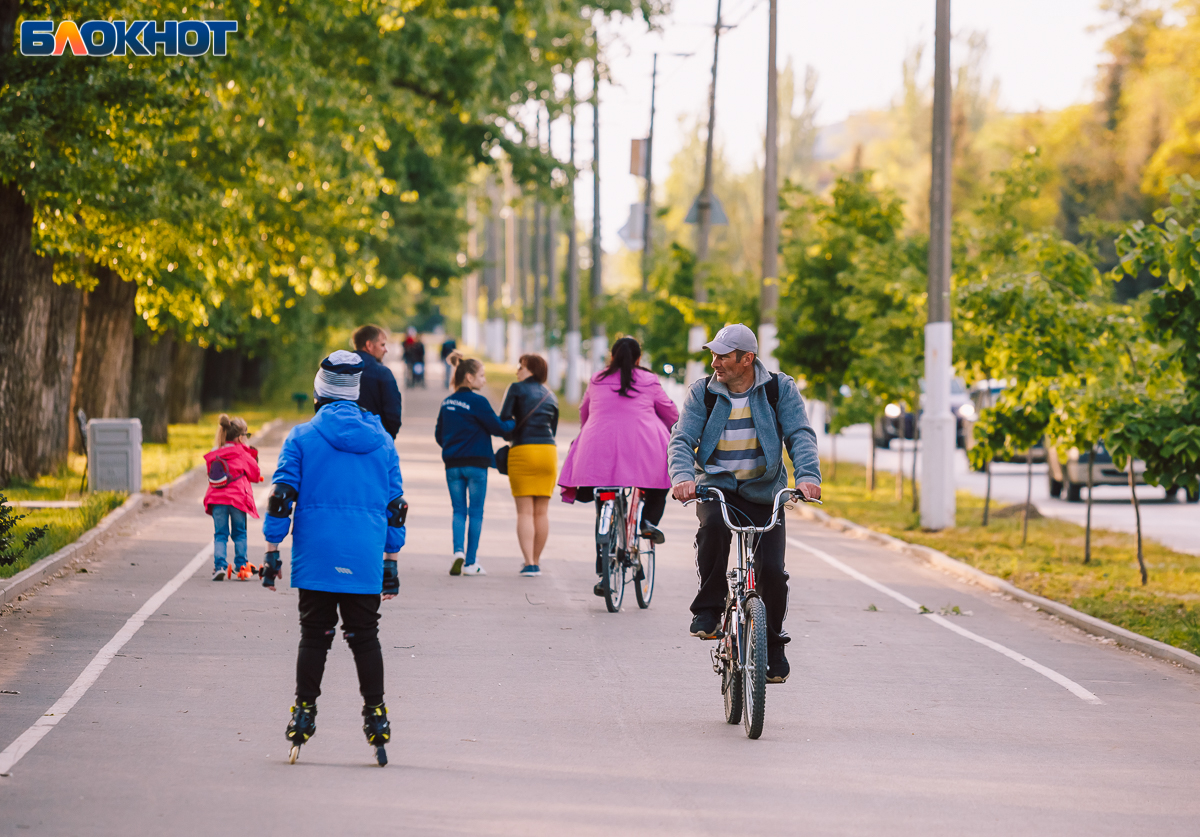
{"points": [[378, 391], [232, 466], [414, 358], [465, 427], [449, 346], [533, 457], [341, 474]]}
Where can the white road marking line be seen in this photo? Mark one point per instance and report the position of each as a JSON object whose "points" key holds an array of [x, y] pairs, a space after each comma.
{"points": [[30, 737], [1049, 673]]}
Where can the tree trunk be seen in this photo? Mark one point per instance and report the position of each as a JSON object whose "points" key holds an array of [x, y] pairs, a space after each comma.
{"points": [[1137, 513], [104, 356], [900, 471], [1087, 531], [58, 367], [151, 381], [1028, 493], [987, 497], [871, 468], [916, 443], [37, 325], [183, 392]]}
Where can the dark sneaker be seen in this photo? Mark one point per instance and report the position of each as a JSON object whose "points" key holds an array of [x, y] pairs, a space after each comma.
{"points": [[653, 533], [601, 588], [706, 625], [778, 668], [219, 575]]}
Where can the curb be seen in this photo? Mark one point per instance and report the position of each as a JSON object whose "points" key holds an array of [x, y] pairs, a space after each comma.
{"points": [[1090, 624], [45, 569]]}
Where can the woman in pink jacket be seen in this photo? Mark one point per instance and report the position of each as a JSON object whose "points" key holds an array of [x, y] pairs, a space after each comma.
{"points": [[232, 466], [625, 423]]}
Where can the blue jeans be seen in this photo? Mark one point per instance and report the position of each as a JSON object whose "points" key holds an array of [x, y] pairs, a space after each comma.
{"points": [[469, 482], [224, 519]]}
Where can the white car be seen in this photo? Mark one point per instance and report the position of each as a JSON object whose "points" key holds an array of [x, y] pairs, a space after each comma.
{"points": [[1068, 479]]}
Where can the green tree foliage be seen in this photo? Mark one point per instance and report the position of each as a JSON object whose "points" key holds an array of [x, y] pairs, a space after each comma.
{"points": [[852, 295]]}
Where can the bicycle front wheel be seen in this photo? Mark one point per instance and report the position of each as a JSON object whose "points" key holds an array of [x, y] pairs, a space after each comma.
{"points": [[754, 667], [731, 676], [643, 579]]}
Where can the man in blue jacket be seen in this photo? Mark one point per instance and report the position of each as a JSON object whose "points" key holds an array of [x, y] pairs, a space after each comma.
{"points": [[338, 488], [378, 392]]}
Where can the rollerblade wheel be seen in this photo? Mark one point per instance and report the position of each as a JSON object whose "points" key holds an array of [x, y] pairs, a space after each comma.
{"points": [[381, 756], [294, 754]]}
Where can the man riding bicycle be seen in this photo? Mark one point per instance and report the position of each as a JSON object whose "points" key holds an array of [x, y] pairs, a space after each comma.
{"points": [[731, 435]]}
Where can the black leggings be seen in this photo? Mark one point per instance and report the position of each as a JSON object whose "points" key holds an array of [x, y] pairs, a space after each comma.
{"points": [[360, 626], [652, 512]]}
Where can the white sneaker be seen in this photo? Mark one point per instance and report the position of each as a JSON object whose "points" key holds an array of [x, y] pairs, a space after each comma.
{"points": [[473, 569]]}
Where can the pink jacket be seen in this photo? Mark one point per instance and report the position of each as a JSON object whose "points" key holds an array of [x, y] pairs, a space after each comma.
{"points": [[242, 463], [622, 439]]}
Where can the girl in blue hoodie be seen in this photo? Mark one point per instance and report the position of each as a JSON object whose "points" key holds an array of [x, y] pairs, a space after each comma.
{"points": [[465, 427]]}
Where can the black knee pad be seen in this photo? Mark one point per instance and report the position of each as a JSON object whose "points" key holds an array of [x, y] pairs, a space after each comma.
{"points": [[316, 638], [367, 640]]}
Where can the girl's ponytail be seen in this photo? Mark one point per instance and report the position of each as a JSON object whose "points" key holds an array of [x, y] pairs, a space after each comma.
{"points": [[230, 429], [463, 366]]}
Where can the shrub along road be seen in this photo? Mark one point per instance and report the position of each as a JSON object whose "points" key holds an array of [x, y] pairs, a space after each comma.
{"points": [[519, 706]]}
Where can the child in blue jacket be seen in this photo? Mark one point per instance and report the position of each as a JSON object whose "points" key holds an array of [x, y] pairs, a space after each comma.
{"points": [[465, 427], [337, 486]]}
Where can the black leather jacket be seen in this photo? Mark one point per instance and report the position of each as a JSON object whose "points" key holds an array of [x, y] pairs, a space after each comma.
{"points": [[540, 427]]}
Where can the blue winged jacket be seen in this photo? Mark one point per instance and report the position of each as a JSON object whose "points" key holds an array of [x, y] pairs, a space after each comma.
{"points": [[345, 469]]}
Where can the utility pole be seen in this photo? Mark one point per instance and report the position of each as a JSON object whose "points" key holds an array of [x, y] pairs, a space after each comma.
{"points": [[769, 292], [494, 330], [551, 249], [599, 340], [937, 422], [574, 387], [647, 240], [698, 334], [535, 249]]}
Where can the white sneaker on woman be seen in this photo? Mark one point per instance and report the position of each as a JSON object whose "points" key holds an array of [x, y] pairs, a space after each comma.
{"points": [[473, 569]]}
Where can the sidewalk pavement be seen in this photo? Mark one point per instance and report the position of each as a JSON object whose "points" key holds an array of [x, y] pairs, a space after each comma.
{"points": [[519, 706]]}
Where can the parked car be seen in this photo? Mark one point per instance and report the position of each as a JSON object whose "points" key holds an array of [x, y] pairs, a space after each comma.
{"points": [[899, 423], [1068, 479], [984, 394]]}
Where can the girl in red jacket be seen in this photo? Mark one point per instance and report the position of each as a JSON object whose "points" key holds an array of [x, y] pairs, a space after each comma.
{"points": [[232, 466]]}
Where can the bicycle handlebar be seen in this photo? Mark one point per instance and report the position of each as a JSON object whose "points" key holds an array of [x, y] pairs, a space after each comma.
{"points": [[709, 494]]}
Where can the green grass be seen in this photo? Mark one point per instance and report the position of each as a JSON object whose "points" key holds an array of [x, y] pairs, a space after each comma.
{"points": [[65, 525], [161, 463], [1051, 562]]}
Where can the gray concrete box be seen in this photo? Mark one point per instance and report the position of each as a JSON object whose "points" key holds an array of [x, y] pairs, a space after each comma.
{"points": [[115, 454]]}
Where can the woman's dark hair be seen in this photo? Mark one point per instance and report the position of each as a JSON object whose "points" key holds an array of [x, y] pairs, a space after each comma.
{"points": [[463, 366], [536, 364], [626, 353]]}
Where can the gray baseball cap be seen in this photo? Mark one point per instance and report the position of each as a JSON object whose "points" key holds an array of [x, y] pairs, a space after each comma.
{"points": [[736, 336]]}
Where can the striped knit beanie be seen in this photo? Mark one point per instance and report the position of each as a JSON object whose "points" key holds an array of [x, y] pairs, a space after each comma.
{"points": [[337, 379]]}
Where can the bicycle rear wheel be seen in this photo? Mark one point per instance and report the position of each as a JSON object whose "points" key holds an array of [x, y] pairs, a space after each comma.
{"points": [[754, 670], [731, 677], [643, 580]]}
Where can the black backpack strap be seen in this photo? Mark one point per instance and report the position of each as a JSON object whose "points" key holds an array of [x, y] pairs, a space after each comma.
{"points": [[710, 399], [772, 389]]}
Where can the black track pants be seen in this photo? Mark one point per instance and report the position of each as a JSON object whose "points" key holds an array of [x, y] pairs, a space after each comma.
{"points": [[656, 504], [713, 542], [360, 625]]}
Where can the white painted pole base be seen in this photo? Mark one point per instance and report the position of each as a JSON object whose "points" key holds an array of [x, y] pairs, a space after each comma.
{"points": [[470, 329], [494, 339], [514, 341], [767, 344], [937, 431], [555, 370], [598, 351], [574, 361], [696, 369], [539, 338]]}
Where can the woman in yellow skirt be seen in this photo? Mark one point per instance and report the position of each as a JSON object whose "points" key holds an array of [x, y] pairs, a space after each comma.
{"points": [[533, 458]]}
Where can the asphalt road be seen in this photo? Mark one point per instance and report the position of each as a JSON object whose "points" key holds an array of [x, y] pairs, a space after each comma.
{"points": [[1172, 522], [519, 706]]}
